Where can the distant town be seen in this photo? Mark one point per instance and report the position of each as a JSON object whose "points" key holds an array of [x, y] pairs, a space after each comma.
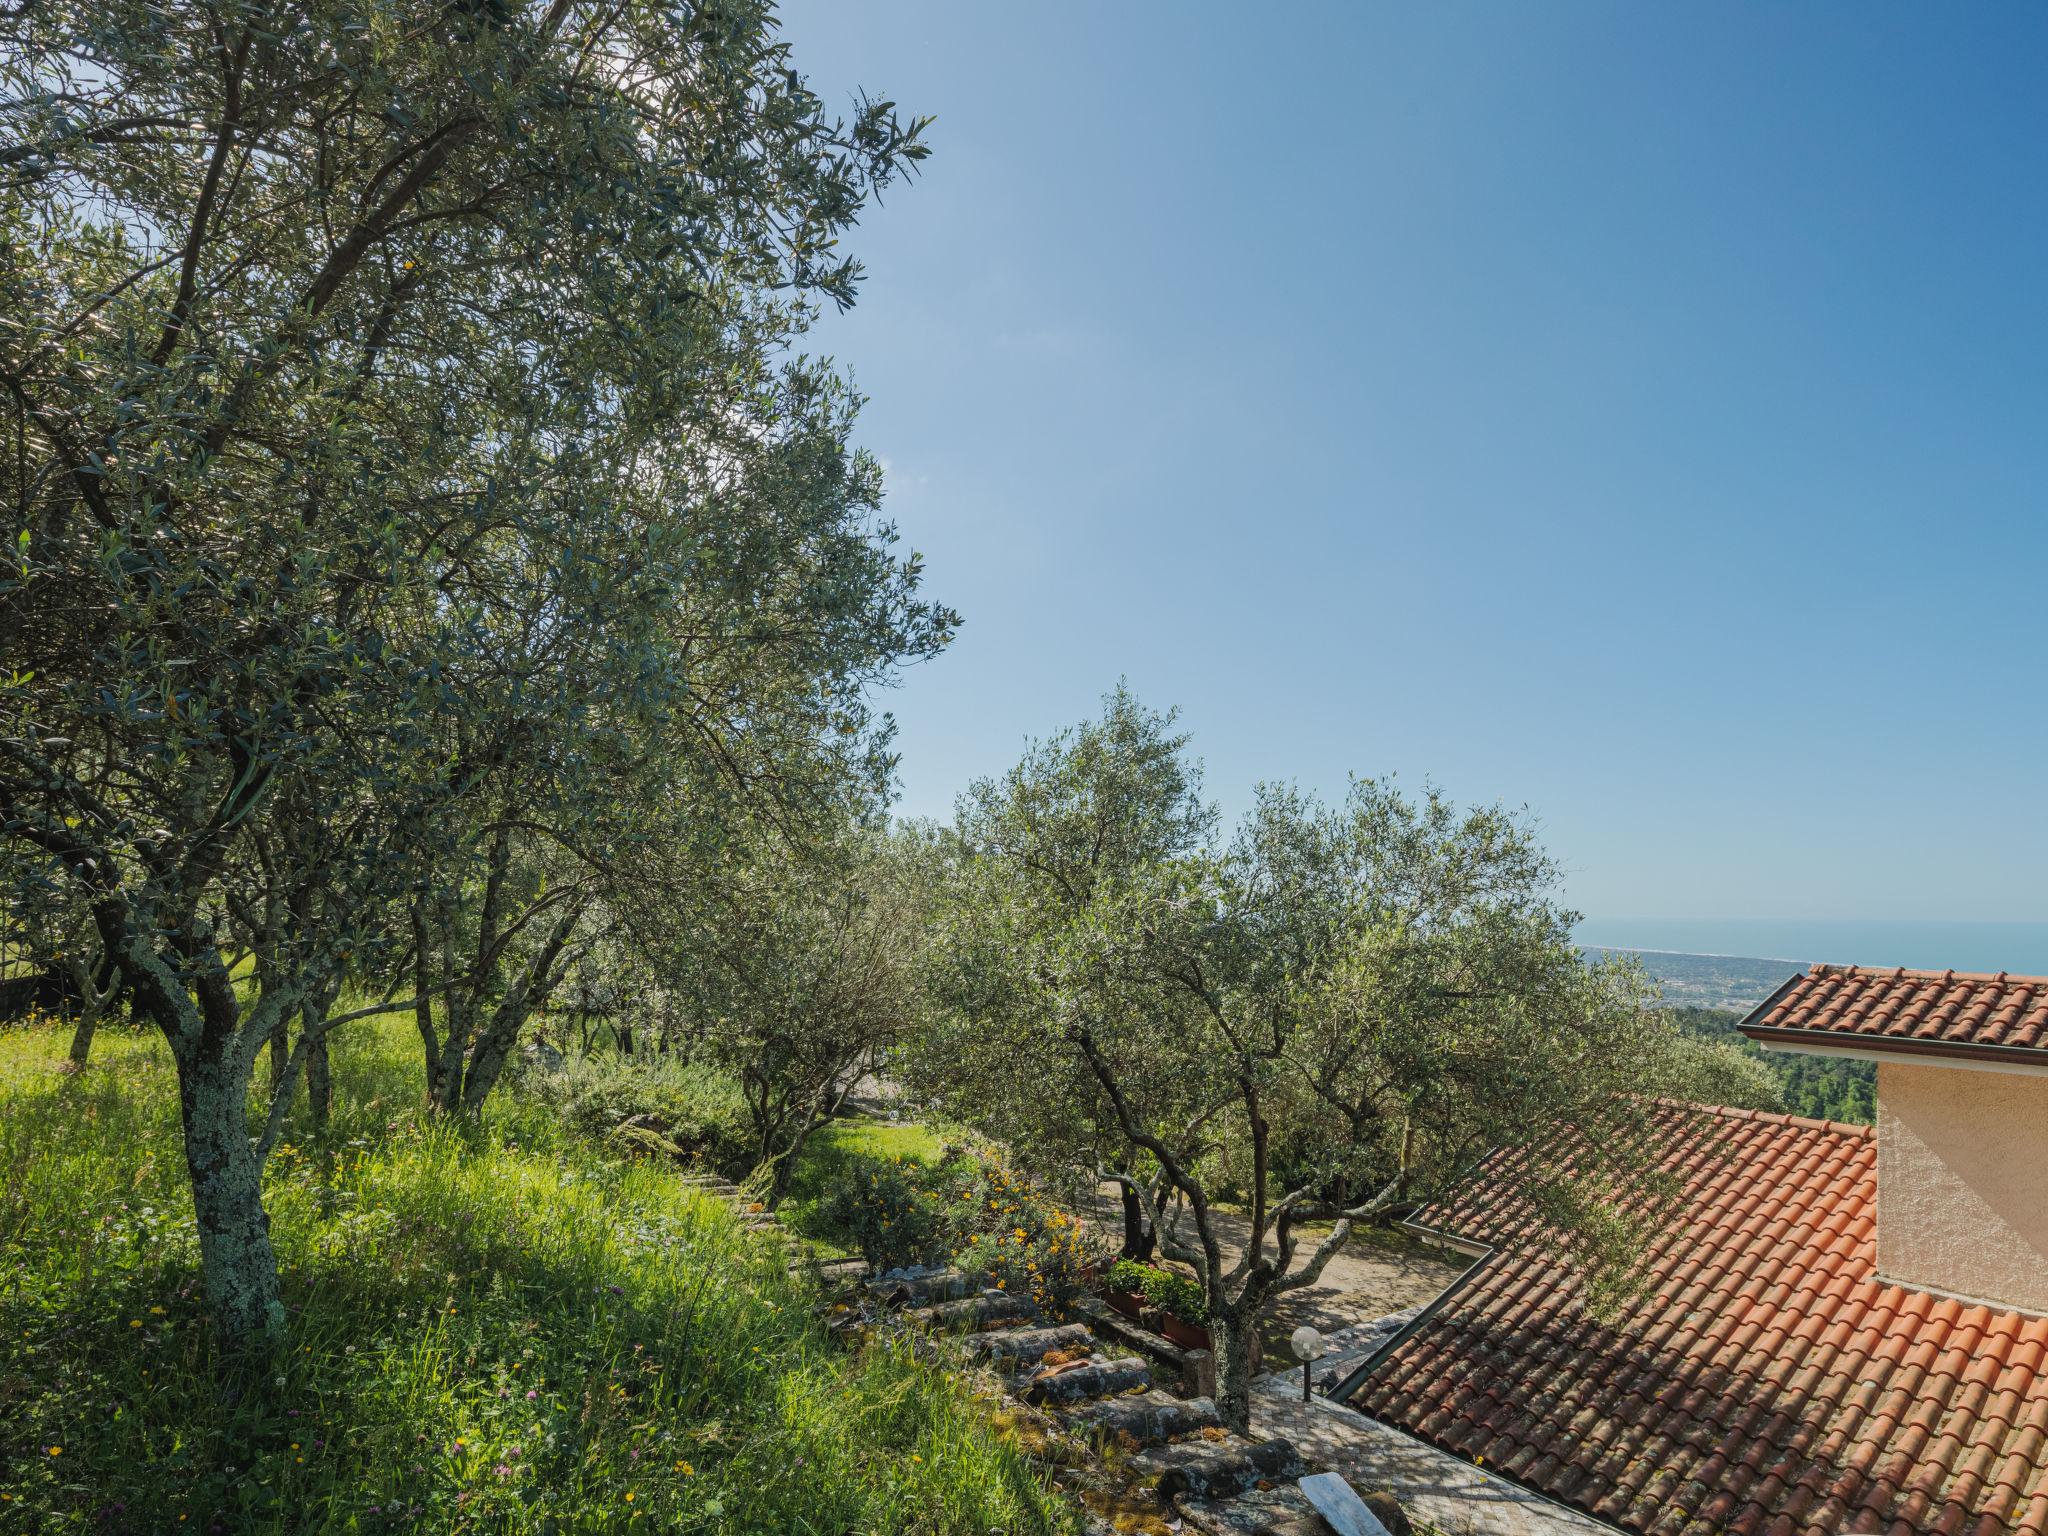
{"points": [[1737, 982]]}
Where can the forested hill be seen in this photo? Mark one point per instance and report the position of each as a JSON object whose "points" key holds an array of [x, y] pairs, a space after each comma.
{"points": [[1709, 994], [1825, 1087]]}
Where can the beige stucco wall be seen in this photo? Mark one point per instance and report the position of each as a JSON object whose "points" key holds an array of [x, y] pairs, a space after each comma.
{"points": [[1962, 1182]]}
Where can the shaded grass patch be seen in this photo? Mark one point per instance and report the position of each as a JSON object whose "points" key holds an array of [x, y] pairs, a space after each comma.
{"points": [[493, 1328]]}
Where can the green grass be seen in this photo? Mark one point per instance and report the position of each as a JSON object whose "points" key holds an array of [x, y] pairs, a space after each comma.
{"points": [[830, 1156], [494, 1330]]}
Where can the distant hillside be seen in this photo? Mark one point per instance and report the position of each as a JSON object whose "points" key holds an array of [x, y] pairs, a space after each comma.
{"points": [[1711, 981], [1708, 994]]}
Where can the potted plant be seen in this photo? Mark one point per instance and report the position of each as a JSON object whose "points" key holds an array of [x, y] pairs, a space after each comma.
{"points": [[1123, 1288], [1186, 1335], [1162, 1300], [1182, 1309]]}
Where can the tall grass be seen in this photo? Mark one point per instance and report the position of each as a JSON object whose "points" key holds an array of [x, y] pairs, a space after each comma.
{"points": [[496, 1329]]}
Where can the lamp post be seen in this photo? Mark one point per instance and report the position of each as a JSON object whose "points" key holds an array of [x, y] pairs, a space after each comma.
{"points": [[1308, 1346]]}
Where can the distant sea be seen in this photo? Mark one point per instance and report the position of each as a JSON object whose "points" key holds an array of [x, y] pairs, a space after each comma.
{"points": [[2018, 947]]}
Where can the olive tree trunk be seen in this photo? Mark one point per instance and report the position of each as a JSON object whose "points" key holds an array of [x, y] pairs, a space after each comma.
{"points": [[96, 988], [1233, 1334], [465, 1063], [319, 1082], [186, 992], [227, 1198], [81, 1041], [1135, 1230]]}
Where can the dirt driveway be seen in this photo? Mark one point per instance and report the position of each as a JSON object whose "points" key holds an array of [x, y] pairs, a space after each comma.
{"points": [[1375, 1273]]}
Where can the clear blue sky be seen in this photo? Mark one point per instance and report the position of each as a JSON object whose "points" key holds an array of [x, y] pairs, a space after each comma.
{"points": [[1639, 412]]}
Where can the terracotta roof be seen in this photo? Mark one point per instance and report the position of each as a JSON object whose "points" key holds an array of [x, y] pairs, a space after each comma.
{"points": [[1766, 1383], [1939, 1012]]}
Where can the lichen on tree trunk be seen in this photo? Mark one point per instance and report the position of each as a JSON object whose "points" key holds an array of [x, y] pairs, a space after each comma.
{"points": [[1232, 1339], [227, 1198]]}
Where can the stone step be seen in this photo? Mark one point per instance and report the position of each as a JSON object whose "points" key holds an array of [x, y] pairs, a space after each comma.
{"points": [[1285, 1510], [1277, 1511], [1112, 1324], [1150, 1420], [1077, 1383], [1201, 1469], [1014, 1347], [1191, 1371], [976, 1311], [920, 1287]]}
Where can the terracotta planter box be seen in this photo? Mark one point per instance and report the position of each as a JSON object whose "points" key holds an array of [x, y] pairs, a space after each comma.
{"points": [[1186, 1335], [1129, 1303]]}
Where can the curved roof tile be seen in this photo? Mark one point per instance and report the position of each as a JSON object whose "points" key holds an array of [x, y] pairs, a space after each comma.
{"points": [[1837, 1403], [1958, 1012]]}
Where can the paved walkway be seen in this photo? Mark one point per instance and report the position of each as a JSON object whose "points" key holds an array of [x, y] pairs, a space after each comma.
{"points": [[1455, 1497], [1369, 1290]]}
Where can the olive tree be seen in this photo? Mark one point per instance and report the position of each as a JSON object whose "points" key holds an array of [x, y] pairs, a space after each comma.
{"points": [[1322, 1024], [54, 962], [1029, 857], [400, 409], [796, 972]]}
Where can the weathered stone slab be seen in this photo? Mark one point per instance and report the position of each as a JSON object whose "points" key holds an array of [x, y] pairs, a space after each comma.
{"points": [[1193, 1369], [1276, 1511], [1310, 1524], [918, 1287], [1015, 1347], [1076, 1383], [1150, 1419], [1345, 1511], [976, 1311], [1200, 1469]]}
